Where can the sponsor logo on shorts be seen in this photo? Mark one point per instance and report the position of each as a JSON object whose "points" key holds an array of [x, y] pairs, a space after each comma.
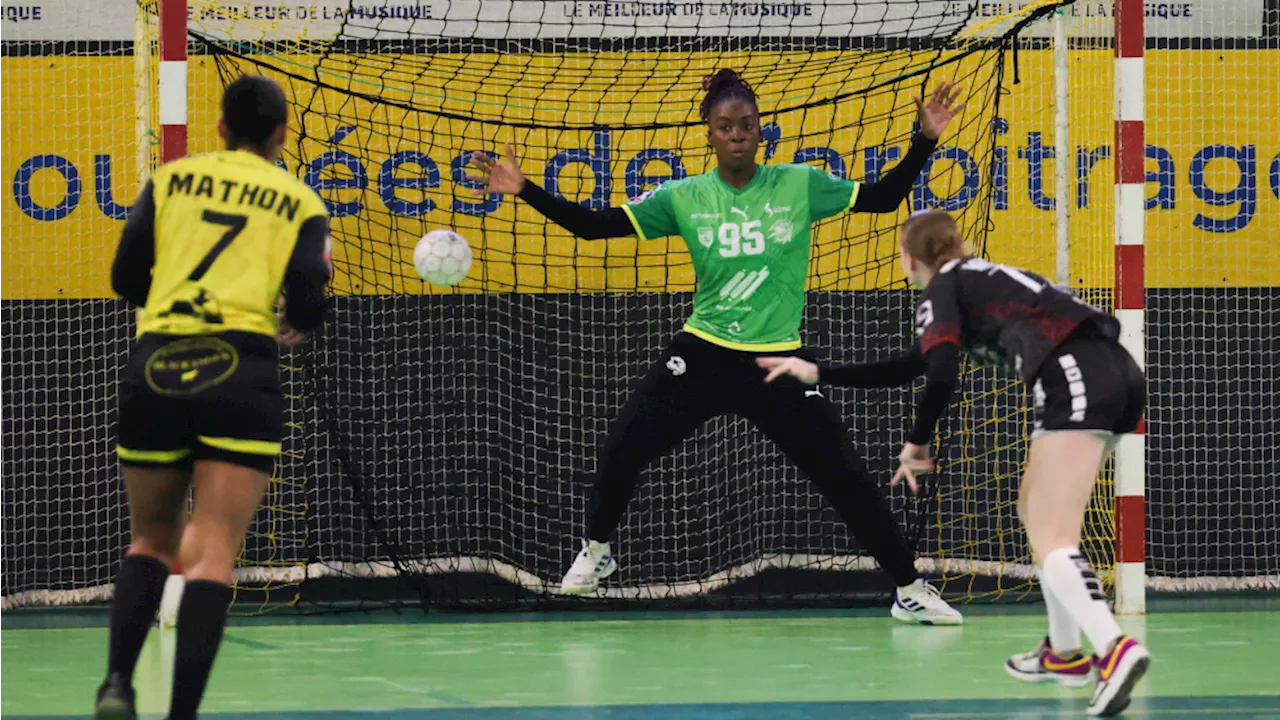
{"points": [[192, 365]]}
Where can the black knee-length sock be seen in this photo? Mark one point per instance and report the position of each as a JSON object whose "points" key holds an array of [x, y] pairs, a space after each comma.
{"points": [[139, 587], [201, 620]]}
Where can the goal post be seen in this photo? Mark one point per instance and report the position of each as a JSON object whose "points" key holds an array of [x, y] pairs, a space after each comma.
{"points": [[1124, 481], [171, 103], [1129, 297]]}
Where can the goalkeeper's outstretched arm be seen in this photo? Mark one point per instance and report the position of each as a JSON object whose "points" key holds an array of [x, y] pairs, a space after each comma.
{"points": [[582, 221], [886, 194], [505, 178]]}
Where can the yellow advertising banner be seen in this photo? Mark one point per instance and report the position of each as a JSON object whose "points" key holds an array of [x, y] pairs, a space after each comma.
{"points": [[393, 169]]}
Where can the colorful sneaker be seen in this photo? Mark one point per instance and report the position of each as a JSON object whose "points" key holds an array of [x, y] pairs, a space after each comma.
{"points": [[1118, 671], [920, 603], [1045, 665]]}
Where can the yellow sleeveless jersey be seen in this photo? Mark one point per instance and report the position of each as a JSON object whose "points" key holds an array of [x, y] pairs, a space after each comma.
{"points": [[225, 227]]}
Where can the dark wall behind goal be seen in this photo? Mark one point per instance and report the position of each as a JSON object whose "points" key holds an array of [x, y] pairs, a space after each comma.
{"points": [[468, 426]]}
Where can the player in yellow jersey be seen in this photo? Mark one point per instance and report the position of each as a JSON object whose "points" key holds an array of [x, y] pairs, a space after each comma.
{"points": [[207, 249]]}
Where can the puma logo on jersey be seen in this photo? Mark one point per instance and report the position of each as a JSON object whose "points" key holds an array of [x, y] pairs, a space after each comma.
{"points": [[739, 211], [813, 393]]}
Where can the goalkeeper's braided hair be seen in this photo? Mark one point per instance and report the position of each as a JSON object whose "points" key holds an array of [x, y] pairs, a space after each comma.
{"points": [[725, 84]]}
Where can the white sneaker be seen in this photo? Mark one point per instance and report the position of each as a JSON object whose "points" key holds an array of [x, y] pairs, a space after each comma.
{"points": [[593, 564], [920, 602]]}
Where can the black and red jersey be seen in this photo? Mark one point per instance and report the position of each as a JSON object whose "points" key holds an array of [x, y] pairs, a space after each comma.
{"points": [[1001, 315]]}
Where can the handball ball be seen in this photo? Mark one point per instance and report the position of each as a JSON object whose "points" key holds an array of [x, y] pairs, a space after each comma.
{"points": [[442, 257]]}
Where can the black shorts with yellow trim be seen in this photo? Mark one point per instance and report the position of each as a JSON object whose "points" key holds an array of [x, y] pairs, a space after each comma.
{"points": [[202, 397]]}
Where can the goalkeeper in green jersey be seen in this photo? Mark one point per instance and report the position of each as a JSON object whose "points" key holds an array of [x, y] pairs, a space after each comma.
{"points": [[748, 228]]}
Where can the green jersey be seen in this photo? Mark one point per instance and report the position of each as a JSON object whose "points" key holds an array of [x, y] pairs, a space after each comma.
{"points": [[750, 247]]}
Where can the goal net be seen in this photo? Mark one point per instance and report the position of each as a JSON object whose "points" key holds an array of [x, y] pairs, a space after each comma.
{"points": [[441, 442], [463, 425]]}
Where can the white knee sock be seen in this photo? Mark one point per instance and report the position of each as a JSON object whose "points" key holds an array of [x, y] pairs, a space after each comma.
{"points": [[1064, 631], [1067, 576]]}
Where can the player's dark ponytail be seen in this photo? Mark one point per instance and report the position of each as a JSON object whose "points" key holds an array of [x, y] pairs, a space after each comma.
{"points": [[933, 238], [724, 84]]}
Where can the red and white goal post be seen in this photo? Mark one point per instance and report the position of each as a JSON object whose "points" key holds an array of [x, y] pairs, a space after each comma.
{"points": [[1130, 291], [171, 95]]}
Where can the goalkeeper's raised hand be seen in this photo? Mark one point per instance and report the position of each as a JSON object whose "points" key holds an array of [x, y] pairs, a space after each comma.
{"points": [[499, 177], [938, 111]]}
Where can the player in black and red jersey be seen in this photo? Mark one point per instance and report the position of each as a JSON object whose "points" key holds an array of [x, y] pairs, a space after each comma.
{"points": [[1088, 390]]}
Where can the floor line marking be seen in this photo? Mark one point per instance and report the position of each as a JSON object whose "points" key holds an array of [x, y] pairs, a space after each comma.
{"points": [[1131, 711], [440, 697]]}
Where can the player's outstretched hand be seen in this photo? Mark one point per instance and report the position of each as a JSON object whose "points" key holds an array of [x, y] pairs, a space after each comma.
{"points": [[939, 110], [290, 338], [913, 459], [499, 177], [798, 368]]}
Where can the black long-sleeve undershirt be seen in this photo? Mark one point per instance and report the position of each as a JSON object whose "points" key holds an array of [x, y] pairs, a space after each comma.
{"points": [[879, 374], [306, 276], [582, 221], [886, 194], [136, 255], [941, 370], [940, 381], [883, 196]]}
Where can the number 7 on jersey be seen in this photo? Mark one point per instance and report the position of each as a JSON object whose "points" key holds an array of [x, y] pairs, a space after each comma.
{"points": [[234, 224]]}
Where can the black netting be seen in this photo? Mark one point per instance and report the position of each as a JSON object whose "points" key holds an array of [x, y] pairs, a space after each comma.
{"points": [[445, 435]]}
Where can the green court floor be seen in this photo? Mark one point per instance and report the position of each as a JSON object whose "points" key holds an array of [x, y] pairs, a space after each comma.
{"points": [[816, 665]]}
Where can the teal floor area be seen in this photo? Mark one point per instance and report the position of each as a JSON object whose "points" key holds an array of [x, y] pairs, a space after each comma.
{"points": [[1213, 658]]}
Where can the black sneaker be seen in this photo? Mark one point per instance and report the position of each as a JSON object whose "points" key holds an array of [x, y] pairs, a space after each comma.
{"points": [[115, 700]]}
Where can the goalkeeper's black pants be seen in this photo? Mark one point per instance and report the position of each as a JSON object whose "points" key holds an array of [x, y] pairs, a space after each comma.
{"points": [[694, 381]]}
